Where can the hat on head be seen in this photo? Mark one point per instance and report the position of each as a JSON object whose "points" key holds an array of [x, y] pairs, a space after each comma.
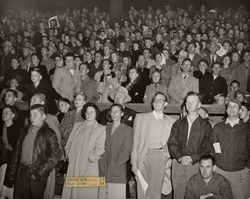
{"points": [[122, 90]]}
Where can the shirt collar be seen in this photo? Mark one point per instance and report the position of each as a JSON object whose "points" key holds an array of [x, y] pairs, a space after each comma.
{"points": [[157, 115], [232, 123]]}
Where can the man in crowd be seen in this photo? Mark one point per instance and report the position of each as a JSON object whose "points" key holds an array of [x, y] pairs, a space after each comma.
{"points": [[35, 156], [191, 137], [232, 150], [182, 83], [213, 85], [150, 152], [207, 183], [66, 80]]}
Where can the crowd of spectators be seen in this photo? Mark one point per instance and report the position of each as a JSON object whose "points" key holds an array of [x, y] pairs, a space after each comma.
{"points": [[63, 60]]}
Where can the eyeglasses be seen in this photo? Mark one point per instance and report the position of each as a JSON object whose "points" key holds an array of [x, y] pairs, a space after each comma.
{"points": [[159, 100]]}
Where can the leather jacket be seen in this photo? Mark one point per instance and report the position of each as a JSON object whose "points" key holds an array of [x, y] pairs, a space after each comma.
{"points": [[45, 156]]}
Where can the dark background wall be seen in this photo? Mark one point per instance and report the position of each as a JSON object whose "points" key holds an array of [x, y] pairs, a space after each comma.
{"points": [[105, 4]]}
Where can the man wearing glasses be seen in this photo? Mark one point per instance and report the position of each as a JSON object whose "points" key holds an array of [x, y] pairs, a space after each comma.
{"points": [[150, 153]]}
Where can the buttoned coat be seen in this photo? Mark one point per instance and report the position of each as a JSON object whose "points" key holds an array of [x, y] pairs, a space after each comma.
{"points": [[178, 89]]}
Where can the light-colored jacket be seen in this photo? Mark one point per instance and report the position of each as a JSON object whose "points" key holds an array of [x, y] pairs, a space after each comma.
{"points": [[141, 137], [178, 89], [66, 84]]}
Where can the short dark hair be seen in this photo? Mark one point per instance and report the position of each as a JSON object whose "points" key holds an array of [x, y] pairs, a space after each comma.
{"points": [[93, 105], [213, 64], [234, 81], [41, 108], [109, 118], [203, 60], [245, 105], [13, 91], [186, 59], [207, 157], [158, 93], [12, 109]]}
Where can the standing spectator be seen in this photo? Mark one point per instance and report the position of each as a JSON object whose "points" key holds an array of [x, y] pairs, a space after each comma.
{"points": [[66, 80], [84, 148], [150, 152], [226, 69], [38, 85], [35, 156], [193, 56], [212, 57], [72, 117], [233, 87], [190, 138], [213, 85], [5, 59], [232, 150], [182, 83], [135, 87], [8, 140], [46, 60], [118, 146], [64, 107], [207, 183], [242, 72], [155, 86], [88, 85]]}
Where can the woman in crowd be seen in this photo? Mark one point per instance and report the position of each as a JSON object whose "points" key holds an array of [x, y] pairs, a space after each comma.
{"points": [[84, 148], [136, 89], [72, 117], [118, 146], [64, 107], [9, 132], [235, 57], [154, 87], [13, 84]]}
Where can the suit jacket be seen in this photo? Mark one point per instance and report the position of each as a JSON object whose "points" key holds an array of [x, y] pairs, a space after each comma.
{"points": [[195, 61], [210, 61], [141, 137], [66, 84], [118, 148], [211, 87], [241, 74], [178, 89]]}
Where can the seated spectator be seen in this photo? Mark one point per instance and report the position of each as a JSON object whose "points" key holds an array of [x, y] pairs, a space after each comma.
{"points": [[213, 85], [46, 60], [219, 99], [182, 83], [245, 112], [202, 73], [233, 87], [35, 63], [15, 70], [154, 87], [135, 87], [239, 95], [88, 85], [235, 57], [13, 84], [64, 107], [207, 183]]}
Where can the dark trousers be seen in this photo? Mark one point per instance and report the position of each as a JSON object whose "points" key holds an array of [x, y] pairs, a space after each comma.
{"points": [[27, 188]]}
